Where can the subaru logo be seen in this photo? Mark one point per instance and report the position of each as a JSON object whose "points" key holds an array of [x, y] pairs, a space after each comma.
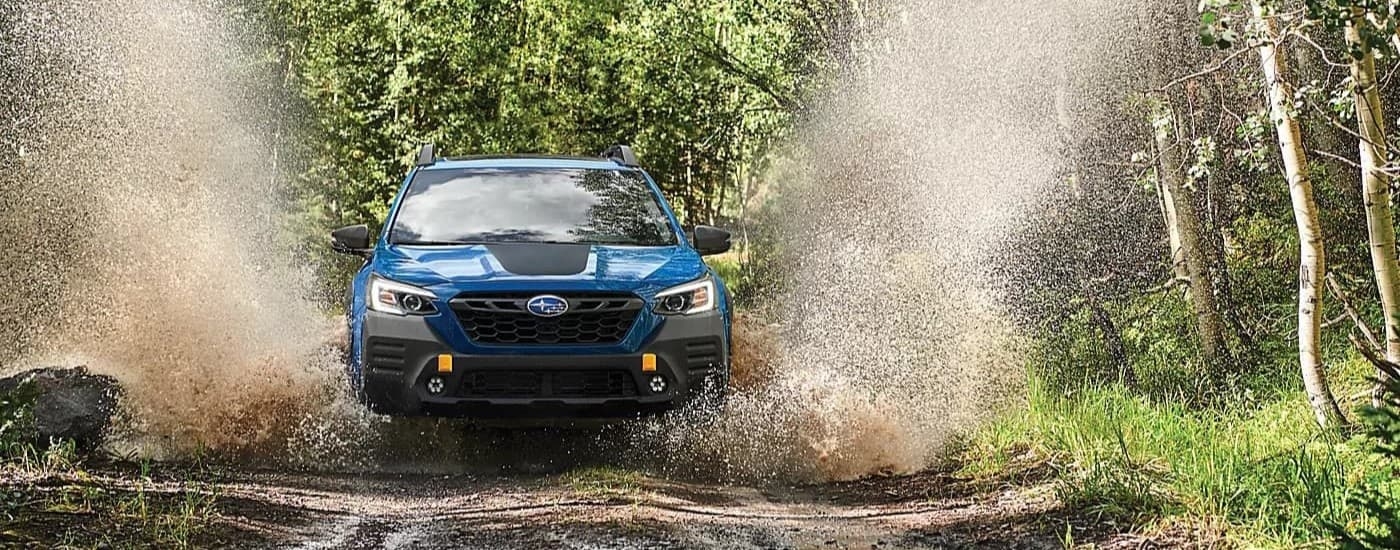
{"points": [[547, 306]]}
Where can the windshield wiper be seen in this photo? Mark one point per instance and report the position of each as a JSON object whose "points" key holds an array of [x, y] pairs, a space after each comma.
{"points": [[437, 243], [620, 243], [485, 243], [599, 243]]}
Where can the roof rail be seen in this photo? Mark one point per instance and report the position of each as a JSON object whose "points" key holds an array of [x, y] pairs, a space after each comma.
{"points": [[426, 156], [621, 154]]}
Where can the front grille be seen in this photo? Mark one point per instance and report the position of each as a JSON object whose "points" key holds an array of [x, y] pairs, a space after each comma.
{"points": [[546, 384], [591, 319]]}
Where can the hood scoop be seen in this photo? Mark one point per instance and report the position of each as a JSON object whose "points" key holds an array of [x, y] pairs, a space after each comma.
{"points": [[535, 259]]}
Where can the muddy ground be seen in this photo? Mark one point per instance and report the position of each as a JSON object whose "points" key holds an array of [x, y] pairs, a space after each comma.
{"points": [[607, 508]]}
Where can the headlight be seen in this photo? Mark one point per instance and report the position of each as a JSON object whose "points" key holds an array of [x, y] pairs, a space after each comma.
{"points": [[398, 298], [687, 299]]}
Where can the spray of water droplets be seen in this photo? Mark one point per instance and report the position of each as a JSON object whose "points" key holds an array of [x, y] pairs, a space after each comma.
{"points": [[142, 194]]}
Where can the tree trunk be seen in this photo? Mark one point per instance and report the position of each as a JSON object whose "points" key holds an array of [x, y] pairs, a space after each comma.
{"points": [[1064, 119], [1178, 256], [1113, 340], [1312, 263], [1375, 187], [1216, 212], [1209, 327]]}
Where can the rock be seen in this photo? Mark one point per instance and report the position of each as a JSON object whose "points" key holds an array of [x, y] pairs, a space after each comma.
{"points": [[70, 403]]}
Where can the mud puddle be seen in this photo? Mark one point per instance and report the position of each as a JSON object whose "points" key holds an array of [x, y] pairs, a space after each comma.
{"points": [[619, 509], [607, 508]]}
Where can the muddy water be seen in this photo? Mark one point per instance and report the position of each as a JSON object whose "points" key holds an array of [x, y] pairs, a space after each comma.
{"points": [[150, 144], [144, 200]]}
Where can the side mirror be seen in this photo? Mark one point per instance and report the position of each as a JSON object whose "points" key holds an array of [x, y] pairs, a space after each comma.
{"points": [[710, 240], [351, 240]]}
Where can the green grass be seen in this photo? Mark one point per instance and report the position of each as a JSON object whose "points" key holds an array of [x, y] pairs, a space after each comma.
{"points": [[1264, 470], [730, 268], [49, 500], [604, 482]]}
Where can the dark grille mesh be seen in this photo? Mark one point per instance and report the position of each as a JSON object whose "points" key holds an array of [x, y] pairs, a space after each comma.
{"points": [[503, 319], [537, 384]]}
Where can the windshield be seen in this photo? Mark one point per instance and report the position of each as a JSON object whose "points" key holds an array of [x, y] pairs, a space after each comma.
{"points": [[530, 205]]}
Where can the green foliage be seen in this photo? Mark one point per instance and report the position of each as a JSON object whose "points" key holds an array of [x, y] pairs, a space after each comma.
{"points": [[17, 420], [702, 89], [1164, 362], [730, 268], [1073, 354], [1220, 26], [1222, 20], [1264, 470], [1378, 19], [751, 270], [1379, 503]]}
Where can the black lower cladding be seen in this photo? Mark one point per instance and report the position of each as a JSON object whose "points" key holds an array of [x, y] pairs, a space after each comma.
{"points": [[401, 356]]}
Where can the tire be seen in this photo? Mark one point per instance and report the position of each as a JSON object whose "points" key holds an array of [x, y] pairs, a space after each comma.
{"points": [[358, 393], [707, 402]]}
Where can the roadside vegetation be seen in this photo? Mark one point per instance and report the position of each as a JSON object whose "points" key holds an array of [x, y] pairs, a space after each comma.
{"points": [[1259, 474], [1227, 381], [1212, 289], [708, 92], [49, 498]]}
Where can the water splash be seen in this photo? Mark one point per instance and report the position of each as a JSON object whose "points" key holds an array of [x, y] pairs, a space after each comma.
{"points": [[150, 145], [139, 156], [946, 134]]}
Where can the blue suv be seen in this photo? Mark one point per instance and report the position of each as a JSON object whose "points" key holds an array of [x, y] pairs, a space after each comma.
{"points": [[535, 287]]}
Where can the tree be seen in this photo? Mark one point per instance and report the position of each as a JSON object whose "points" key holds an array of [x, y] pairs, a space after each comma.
{"points": [[1188, 229], [1364, 25], [1375, 182], [702, 89], [1312, 262], [1191, 247]]}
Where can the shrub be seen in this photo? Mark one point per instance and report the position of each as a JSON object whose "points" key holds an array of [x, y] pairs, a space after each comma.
{"points": [[17, 420], [1381, 526], [1265, 470]]}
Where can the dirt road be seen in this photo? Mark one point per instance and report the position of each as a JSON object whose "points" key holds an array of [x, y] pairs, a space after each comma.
{"points": [[614, 509], [522, 492], [597, 508]]}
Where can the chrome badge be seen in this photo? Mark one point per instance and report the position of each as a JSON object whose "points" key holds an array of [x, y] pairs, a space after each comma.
{"points": [[547, 306]]}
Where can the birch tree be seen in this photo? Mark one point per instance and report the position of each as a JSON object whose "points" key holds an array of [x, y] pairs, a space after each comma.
{"points": [[1178, 255], [1375, 182], [1312, 262]]}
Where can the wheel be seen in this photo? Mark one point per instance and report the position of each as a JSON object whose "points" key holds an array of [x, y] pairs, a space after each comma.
{"points": [[707, 402]]}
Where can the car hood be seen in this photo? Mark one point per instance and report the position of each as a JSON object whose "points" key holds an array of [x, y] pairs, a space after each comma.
{"points": [[561, 267]]}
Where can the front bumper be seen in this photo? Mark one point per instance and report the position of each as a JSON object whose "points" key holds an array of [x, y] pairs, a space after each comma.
{"points": [[400, 356]]}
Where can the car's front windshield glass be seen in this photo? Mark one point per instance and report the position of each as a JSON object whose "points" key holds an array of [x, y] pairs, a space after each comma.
{"points": [[530, 205]]}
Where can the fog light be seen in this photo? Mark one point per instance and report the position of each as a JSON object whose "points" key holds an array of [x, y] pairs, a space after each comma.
{"points": [[658, 384], [435, 385]]}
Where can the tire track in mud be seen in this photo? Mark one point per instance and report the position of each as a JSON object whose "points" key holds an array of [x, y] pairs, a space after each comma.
{"points": [[601, 510], [432, 512]]}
